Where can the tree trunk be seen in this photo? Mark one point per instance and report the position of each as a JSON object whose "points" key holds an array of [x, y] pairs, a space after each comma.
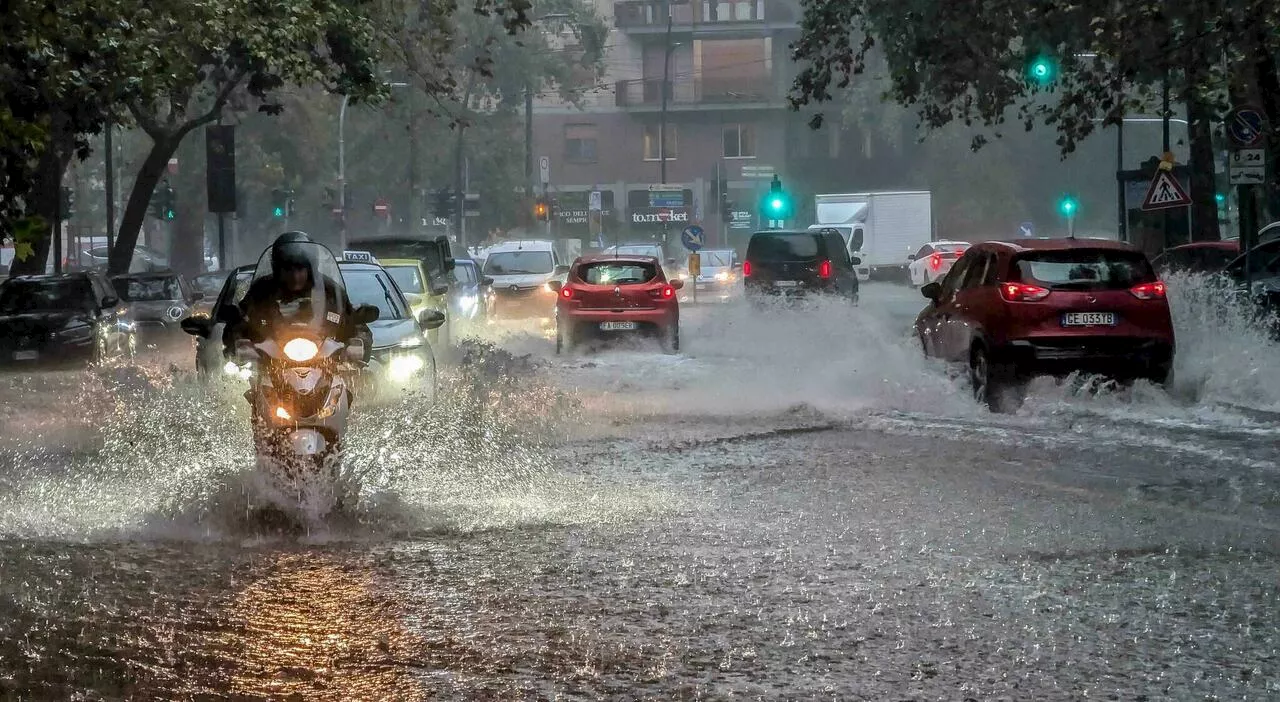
{"points": [[1204, 186], [1269, 88], [459, 162], [44, 202], [135, 210]]}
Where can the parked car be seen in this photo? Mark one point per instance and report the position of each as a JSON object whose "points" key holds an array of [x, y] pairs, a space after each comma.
{"points": [[616, 294], [799, 263], [67, 318], [1200, 257], [1011, 310]]}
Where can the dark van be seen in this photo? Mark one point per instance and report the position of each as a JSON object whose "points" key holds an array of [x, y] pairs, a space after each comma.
{"points": [[797, 263]]}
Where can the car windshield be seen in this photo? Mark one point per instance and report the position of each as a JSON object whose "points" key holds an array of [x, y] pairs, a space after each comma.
{"points": [[783, 247], [1085, 269], [465, 273], [310, 292], [372, 287], [148, 289], [409, 278], [22, 296], [716, 259], [518, 263], [617, 273]]}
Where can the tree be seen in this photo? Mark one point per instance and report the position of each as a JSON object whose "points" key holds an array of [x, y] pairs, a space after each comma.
{"points": [[200, 55], [954, 63]]}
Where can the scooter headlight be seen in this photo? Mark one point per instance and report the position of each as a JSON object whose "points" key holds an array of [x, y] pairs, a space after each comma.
{"points": [[401, 368], [299, 350]]}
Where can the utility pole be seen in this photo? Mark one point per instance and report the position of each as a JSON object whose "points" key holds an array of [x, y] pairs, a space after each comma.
{"points": [[1164, 116], [528, 142], [1123, 224], [110, 184], [666, 88]]}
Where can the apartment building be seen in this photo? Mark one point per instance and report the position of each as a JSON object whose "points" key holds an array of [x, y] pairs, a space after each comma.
{"points": [[728, 126]]}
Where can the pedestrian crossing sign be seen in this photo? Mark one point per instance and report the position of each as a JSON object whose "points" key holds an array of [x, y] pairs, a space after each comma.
{"points": [[1165, 193]]}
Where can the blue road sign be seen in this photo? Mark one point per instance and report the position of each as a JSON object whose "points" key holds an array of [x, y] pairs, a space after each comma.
{"points": [[691, 237], [1244, 126], [1026, 229]]}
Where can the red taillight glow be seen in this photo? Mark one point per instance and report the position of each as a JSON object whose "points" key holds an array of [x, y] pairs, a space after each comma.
{"points": [[668, 292], [746, 269], [824, 269], [1021, 292], [1148, 291], [935, 261], [566, 293]]}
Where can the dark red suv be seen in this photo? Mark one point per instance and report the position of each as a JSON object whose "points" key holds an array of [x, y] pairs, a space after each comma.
{"points": [[1010, 310]]}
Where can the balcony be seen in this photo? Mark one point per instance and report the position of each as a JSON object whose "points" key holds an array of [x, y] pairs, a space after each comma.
{"points": [[686, 93], [738, 17]]}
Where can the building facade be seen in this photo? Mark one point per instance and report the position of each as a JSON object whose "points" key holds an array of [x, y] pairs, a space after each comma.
{"points": [[727, 122]]}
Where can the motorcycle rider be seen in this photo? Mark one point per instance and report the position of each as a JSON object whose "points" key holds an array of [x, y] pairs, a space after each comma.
{"points": [[292, 280]]}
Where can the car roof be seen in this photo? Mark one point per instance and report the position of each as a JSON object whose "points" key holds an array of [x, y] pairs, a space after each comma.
{"points": [[49, 277], [146, 274], [1227, 244], [948, 242], [360, 265], [632, 258], [400, 262], [1062, 244], [522, 244]]}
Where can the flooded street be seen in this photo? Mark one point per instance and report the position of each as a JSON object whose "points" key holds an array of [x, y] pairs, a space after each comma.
{"points": [[795, 506]]}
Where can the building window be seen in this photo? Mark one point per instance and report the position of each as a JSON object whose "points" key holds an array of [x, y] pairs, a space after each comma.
{"points": [[652, 150], [580, 143], [739, 141]]}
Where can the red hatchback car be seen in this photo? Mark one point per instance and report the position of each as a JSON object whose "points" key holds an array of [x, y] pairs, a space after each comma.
{"points": [[1010, 310], [611, 294]]}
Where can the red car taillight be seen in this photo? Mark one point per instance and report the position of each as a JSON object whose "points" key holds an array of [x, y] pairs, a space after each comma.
{"points": [[824, 269], [1148, 291], [1020, 292], [566, 293], [668, 292], [746, 269], [935, 261]]}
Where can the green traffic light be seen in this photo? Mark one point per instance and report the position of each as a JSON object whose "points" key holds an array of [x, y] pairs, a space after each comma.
{"points": [[1068, 206], [277, 212], [1041, 71], [776, 203], [1220, 198], [170, 214]]}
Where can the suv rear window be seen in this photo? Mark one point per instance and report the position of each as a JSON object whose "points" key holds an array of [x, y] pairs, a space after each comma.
{"points": [[617, 273], [783, 247], [1085, 269]]}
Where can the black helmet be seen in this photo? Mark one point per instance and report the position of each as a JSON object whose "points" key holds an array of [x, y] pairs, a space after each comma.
{"points": [[292, 250]]}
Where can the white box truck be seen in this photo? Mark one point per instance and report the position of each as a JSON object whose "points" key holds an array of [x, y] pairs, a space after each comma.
{"points": [[881, 228]]}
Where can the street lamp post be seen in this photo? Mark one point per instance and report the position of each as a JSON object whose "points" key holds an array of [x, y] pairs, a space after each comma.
{"points": [[666, 88], [342, 165]]}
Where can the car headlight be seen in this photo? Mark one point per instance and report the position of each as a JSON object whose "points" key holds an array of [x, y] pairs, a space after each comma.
{"points": [[722, 276], [401, 368], [299, 350], [467, 302], [410, 342]]}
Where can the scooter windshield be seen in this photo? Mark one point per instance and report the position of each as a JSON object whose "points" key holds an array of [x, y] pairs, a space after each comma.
{"points": [[299, 289]]}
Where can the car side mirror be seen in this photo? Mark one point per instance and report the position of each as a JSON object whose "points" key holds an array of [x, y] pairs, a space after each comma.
{"points": [[431, 319], [365, 314], [561, 270], [110, 300], [554, 285], [856, 261], [932, 291], [354, 352], [911, 257], [439, 288], [197, 326], [486, 280], [677, 284]]}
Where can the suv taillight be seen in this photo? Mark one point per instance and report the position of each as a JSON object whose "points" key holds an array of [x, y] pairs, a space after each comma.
{"points": [[1021, 292], [746, 269], [824, 269], [1148, 291]]}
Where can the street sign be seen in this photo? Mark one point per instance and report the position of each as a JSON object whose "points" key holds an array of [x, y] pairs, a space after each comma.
{"points": [[1026, 229], [1244, 126], [380, 207], [1248, 166], [695, 269], [757, 172], [666, 198], [544, 169], [471, 205], [594, 201], [1165, 193], [691, 237]]}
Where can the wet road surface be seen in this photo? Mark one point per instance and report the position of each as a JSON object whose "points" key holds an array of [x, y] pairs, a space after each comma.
{"points": [[793, 508]]}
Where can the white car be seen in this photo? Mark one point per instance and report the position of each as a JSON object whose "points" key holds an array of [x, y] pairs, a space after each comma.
{"points": [[933, 260]]}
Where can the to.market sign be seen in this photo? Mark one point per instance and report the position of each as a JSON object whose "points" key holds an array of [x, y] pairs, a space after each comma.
{"points": [[660, 215]]}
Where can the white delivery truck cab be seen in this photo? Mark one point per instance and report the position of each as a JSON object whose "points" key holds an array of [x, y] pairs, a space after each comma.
{"points": [[881, 228]]}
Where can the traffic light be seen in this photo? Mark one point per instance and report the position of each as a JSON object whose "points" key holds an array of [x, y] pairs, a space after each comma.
{"points": [[777, 203], [443, 205], [541, 210], [163, 205], [1068, 206], [279, 203], [1041, 70], [1221, 198], [726, 208]]}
